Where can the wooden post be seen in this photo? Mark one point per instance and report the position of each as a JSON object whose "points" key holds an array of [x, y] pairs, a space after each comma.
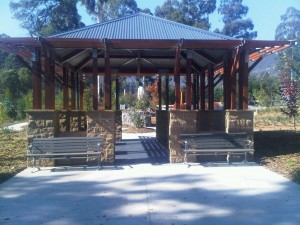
{"points": [[159, 92], [227, 80], [81, 92], [94, 78], [37, 80], [117, 92], [77, 91], [177, 77], [234, 70], [243, 79], [73, 91], [188, 81], [195, 91], [49, 81], [107, 77], [167, 92], [65, 88], [210, 77], [202, 91], [233, 91]]}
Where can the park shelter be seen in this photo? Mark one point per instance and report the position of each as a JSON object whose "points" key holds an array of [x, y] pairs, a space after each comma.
{"points": [[140, 45]]}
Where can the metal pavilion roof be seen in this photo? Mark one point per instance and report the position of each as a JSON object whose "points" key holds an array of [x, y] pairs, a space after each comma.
{"points": [[139, 41], [142, 26]]}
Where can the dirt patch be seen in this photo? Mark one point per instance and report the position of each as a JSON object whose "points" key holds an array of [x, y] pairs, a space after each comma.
{"points": [[287, 165]]}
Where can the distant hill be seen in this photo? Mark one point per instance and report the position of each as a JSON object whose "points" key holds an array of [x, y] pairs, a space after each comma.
{"points": [[267, 64]]}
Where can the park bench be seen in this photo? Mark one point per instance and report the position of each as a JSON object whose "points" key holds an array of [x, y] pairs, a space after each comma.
{"points": [[64, 148], [216, 143]]}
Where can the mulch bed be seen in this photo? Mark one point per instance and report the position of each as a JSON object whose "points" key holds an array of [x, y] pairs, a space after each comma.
{"points": [[130, 129]]}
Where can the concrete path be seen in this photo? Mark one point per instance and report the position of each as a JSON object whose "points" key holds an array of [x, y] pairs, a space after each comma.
{"points": [[140, 148], [167, 194]]}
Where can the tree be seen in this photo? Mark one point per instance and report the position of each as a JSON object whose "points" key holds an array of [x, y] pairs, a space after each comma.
{"points": [[233, 12], [189, 12], [45, 17], [289, 90], [289, 29], [289, 66], [103, 10]]}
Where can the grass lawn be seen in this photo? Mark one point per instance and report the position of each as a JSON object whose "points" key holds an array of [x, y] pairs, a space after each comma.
{"points": [[13, 149], [279, 151]]}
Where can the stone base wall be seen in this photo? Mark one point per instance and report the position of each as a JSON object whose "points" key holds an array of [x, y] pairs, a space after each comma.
{"points": [[239, 121], [181, 122], [72, 121], [102, 123], [162, 126], [184, 122], [42, 124]]}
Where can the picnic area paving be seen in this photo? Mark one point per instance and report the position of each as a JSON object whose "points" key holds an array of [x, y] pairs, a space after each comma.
{"points": [[147, 194]]}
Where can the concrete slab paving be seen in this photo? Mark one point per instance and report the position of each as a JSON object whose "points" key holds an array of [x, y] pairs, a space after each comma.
{"points": [[146, 194]]}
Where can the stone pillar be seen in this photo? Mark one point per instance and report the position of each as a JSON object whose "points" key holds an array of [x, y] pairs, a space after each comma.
{"points": [[42, 124], [181, 122], [162, 126], [211, 120], [239, 121], [102, 123]]}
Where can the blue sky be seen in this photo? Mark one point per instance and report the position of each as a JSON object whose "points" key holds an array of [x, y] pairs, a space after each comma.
{"points": [[264, 13]]}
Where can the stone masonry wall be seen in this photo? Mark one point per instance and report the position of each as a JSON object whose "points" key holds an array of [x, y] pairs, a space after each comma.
{"points": [[42, 124], [181, 122], [239, 121], [72, 121], [102, 123]]}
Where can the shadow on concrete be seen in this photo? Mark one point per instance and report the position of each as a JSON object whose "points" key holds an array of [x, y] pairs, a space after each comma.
{"points": [[150, 195], [139, 151]]}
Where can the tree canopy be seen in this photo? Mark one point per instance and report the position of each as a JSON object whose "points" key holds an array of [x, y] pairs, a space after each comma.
{"points": [[103, 10], [233, 12], [44, 17], [190, 12], [289, 29]]}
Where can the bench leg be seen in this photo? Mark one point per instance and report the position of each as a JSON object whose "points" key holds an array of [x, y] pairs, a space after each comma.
{"points": [[98, 162], [228, 158], [245, 161], [34, 168]]}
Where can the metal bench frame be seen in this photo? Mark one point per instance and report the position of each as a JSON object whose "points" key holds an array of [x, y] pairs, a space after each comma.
{"points": [[216, 143], [64, 148]]}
